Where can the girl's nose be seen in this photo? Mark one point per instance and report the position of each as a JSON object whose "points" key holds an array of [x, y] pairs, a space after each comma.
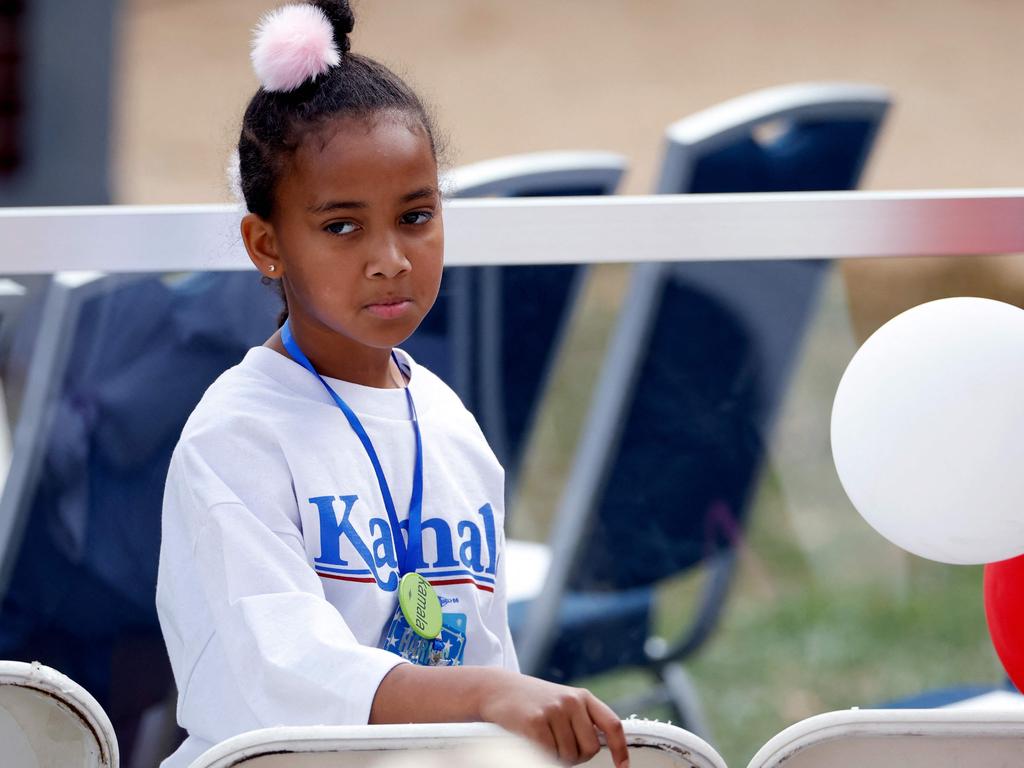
{"points": [[389, 259]]}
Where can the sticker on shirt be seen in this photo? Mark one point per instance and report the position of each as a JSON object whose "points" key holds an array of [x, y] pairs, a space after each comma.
{"points": [[445, 650]]}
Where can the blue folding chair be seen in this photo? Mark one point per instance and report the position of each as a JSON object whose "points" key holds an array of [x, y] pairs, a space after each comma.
{"points": [[677, 429], [115, 368], [474, 336]]}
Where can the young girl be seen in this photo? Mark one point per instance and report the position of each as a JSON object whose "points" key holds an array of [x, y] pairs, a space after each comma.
{"points": [[332, 511]]}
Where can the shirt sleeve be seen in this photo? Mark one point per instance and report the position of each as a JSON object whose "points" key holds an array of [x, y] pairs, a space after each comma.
{"points": [[242, 573]]}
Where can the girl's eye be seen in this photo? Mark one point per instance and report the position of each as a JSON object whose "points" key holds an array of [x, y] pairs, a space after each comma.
{"points": [[417, 217], [341, 227]]}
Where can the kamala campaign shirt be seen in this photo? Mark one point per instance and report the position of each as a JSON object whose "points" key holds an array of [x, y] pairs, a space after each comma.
{"points": [[277, 566]]}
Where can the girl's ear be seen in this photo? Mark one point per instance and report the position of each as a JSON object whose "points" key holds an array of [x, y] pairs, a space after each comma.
{"points": [[261, 244]]}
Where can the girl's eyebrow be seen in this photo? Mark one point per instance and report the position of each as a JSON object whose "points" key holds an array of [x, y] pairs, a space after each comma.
{"points": [[334, 205], [421, 192]]}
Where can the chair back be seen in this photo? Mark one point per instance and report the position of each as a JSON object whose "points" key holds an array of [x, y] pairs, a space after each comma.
{"points": [[46, 719], [718, 340], [897, 738], [793, 138], [652, 745], [474, 336], [115, 368], [676, 432]]}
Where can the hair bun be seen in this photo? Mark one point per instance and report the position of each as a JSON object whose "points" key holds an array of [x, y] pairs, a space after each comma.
{"points": [[339, 12], [293, 44]]}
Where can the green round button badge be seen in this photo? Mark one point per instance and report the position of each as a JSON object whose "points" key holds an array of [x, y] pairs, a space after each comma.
{"points": [[420, 605]]}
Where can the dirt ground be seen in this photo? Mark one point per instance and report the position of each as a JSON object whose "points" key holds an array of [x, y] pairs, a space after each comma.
{"points": [[598, 74]]}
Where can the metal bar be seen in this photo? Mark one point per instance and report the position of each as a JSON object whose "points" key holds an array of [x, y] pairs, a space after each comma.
{"points": [[573, 230]]}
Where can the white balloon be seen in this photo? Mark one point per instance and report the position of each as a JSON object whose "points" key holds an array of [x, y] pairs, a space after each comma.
{"points": [[928, 430]]}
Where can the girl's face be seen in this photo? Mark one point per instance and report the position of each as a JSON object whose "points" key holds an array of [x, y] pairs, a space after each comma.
{"points": [[357, 232]]}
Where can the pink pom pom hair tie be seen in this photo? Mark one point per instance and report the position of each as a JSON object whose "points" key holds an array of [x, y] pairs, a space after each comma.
{"points": [[291, 45]]}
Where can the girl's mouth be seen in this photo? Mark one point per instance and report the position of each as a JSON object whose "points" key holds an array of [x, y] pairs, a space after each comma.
{"points": [[389, 308]]}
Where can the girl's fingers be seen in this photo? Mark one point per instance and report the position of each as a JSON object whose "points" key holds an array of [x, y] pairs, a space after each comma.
{"points": [[562, 730], [543, 736], [609, 724], [586, 735]]}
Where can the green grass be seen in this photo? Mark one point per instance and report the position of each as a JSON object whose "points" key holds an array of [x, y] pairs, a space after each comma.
{"points": [[821, 648], [789, 648], [824, 614]]}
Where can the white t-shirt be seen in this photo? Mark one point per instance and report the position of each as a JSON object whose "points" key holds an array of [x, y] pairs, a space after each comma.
{"points": [[277, 568]]}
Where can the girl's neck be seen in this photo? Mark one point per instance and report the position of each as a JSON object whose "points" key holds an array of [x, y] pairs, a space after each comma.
{"points": [[337, 357]]}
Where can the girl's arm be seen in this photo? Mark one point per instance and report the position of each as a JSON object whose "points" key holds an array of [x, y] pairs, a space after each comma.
{"points": [[564, 720], [251, 636]]}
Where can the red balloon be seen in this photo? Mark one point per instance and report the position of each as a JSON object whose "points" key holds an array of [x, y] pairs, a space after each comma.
{"points": [[1004, 609]]}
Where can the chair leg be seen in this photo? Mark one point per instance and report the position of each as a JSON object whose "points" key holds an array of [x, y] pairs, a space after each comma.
{"points": [[683, 696]]}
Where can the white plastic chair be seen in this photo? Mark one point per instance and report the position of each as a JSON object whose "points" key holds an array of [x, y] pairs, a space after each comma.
{"points": [[899, 738], [652, 745], [47, 719]]}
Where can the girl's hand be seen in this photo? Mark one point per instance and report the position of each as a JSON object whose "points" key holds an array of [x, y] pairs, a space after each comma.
{"points": [[561, 719]]}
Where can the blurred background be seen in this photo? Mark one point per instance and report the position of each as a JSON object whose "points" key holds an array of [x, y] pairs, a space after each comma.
{"points": [[605, 74], [139, 101]]}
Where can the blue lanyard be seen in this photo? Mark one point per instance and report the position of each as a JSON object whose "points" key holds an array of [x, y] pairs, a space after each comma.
{"points": [[409, 556]]}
